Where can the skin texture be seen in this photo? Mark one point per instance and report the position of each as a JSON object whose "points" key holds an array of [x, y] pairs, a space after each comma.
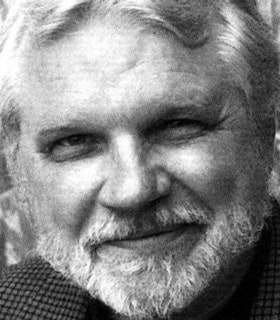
{"points": [[117, 123]]}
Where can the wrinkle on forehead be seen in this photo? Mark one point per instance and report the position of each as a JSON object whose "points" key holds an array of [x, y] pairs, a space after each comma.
{"points": [[89, 67], [106, 50]]}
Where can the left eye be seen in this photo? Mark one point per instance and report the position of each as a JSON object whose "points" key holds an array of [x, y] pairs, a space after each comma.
{"points": [[74, 146], [179, 123], [75, 140], [178, 130]]}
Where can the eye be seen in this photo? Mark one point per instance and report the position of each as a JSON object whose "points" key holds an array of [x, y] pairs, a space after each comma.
{"points": [[74, 147], [178, 130], [75, 140]]}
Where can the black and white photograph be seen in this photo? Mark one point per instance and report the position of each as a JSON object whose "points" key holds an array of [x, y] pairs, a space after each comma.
{"points": [[139, 159]]}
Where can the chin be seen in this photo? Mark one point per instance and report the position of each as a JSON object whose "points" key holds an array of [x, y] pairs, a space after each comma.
{"points": [[150, 287], [142, 286]]}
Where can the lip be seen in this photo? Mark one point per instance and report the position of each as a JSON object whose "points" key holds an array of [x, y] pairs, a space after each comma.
{"points": [[153, 241]]}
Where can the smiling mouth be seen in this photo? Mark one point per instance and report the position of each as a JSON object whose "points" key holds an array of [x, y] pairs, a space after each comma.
{"points": [[186, 234]]}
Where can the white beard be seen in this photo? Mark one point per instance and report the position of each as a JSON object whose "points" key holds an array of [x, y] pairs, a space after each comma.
{"points": [[146, 287]]}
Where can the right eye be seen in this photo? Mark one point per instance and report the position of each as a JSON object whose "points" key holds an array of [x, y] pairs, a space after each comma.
{"points": [[74, 147]]}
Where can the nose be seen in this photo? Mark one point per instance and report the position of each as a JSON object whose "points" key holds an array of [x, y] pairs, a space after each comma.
{"points": [[132, 182]]}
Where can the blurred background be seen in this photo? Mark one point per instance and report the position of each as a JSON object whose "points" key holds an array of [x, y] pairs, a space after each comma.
{"points": [[16, 238], [270, 10]]}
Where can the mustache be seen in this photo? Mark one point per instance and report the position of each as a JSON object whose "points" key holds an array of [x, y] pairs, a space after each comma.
{"points": [[156, 219]]}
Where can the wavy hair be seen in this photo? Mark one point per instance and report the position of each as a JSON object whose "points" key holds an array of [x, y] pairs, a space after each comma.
{"points": [[246, 48]]}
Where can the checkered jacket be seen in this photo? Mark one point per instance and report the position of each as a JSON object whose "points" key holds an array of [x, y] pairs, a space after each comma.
{"points": [[33, 290]]}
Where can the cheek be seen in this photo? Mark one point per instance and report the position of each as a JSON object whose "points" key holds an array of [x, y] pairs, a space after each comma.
{"points": [[66, 195], [77, 190], [210, 172]]}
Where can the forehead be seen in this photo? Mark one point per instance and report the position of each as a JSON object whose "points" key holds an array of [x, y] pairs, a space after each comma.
{"points": [[102, 63]]}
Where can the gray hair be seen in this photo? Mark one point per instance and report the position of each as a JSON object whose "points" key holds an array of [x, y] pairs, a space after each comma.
{"points": [[245, 46]]}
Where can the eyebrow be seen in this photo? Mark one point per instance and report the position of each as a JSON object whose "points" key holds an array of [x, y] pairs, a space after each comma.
{"points": [[170, 106], [199, 110], [71, 127]]}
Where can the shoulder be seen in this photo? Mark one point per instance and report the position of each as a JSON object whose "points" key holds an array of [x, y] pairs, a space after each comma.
{"points": [[33, 290], [266, 304], [29, 274]]}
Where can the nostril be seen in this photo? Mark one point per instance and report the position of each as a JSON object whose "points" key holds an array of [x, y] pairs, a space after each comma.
{"points": [[132, 180], [132, 190], [163, 181]]}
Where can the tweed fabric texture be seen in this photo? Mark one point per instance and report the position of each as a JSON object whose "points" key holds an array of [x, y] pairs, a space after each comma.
{"points": [[267, 301], [33, 290]]}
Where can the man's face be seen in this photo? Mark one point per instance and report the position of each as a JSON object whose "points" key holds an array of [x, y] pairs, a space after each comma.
{"points": [[141, 167]]}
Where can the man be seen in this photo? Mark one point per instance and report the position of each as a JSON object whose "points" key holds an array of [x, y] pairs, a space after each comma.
{"points": [[139, 136]]}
